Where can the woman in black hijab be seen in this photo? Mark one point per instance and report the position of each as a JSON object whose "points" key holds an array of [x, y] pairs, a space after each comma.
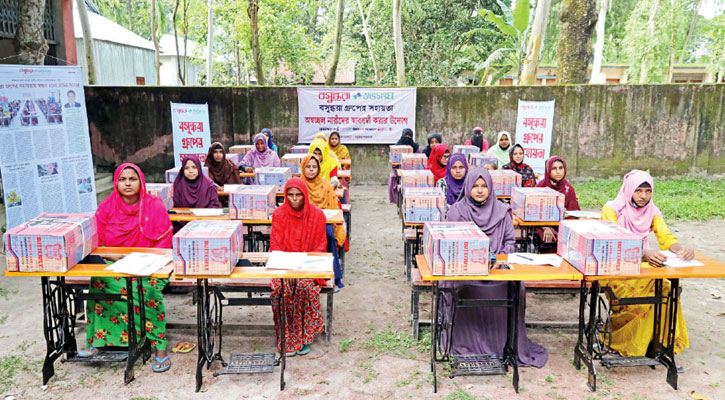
{"points": [[433, 139], [406, 139]]}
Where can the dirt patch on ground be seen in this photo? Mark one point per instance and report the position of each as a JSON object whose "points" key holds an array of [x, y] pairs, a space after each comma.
{"points": [[372, 354]]}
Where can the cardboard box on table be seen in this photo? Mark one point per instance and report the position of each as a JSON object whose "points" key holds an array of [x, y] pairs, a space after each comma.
{"points": [[164, 191], [504, 180], [236, 158], [481, 159], [413, 161], [423, 204], [416, 178], [50, 242], [397, 150], [172, 173], [468, 150], [537, 204], [252, 202], [204, 247], [240, 149], [598, 247], [456, 248], [293, 162], [300, 149], [274, 176]]}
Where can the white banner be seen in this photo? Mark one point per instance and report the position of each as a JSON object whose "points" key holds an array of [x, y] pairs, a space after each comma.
{"points": [[534, 123], [190, 125], [45, 155], [360, 115]]}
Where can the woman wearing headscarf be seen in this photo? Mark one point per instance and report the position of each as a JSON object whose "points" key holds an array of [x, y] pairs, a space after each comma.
{"points": [[192, 189], [270, 143], [221, 171], [483, 330], [130, 217], [328, 161], [433, 140], [500, 150], [452, 183], [438, 160], [477, 139], [406, 139], [633, 209], [336, 147], [516, 163], [298, 226], [555, 178], [261, 155], [323, 195]]}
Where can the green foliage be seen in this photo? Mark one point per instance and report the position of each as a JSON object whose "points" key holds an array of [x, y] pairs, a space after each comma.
{"points": [[14, 363], [345, 344], [459, 394], [397, 344], [685, 199]]}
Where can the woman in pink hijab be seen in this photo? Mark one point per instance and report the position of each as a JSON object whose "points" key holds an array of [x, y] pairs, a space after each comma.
{"points": [[261, 155], [634, 210], [130, 217]]}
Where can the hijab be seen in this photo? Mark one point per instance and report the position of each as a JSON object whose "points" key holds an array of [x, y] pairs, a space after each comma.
{"points": [[491, 216], [340, 150], [478, 140], [500, 153], [329, 160], [406, 139], [144, 224], [302, 230], [323, 195], [427, 150], [635, 219], [270, 142], [264, 158], [223, 172], [563, 186], [198, 193], [454, 186], [434, 162]]}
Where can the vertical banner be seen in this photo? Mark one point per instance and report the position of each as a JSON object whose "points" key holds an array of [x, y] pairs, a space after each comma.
{"points": [[360, 115], [534, 123], [45, 150], [190, 125]]}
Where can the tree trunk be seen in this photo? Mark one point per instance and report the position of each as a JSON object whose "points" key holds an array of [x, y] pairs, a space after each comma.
{"points": [[338, 42], [533, 51], [87, 41], [252, 10], [154, 36], [689, 31], [599, 46], [210, 44], [30, 44], [578, 18], [398, 40], [179, 60], [673, 50], [651, 29], [369, 41]]}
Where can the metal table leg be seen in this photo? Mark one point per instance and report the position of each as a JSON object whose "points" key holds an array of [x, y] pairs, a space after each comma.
{"points": [[282, 335], [435, 326], [138, 345], [58, 323], [209, 327], [511, 353]]}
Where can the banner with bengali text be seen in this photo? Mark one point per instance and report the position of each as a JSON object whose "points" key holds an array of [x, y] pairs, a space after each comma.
{"points": [[190, 125], [360, 115], [534, 123]]}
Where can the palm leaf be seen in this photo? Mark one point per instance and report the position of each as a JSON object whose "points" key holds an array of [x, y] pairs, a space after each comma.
{"points": [[521, 15], [500, 24]]}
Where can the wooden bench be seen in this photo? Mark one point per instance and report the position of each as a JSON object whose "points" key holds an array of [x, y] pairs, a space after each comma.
{"points": [[347, 217], [418, 286], [410, 245], [249, 286]]}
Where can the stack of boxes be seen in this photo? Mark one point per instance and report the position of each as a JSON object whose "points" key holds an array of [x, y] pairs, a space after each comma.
{"points": [[172, 173], [208, 247], [293, 162], [416, 178], [504, 180], [468, 150], [252, 202], [51, 242], [481, 159], [397, 150], [456, 248], [300, 149], [598, 247], [413, 161], [424, 204], [272, 176], [164, 191], [240, 149], [537, 204]]}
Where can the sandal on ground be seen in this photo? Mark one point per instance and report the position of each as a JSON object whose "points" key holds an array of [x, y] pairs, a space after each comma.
{"points": [[186, 347], [179, 345], [304, 350], [159, 364], [92, 351]]}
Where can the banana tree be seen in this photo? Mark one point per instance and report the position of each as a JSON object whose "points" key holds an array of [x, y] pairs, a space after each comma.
{"points": [[514, 25]]}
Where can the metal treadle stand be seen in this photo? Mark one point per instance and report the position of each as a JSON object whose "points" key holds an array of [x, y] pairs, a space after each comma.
{"points": [[595, 335]]}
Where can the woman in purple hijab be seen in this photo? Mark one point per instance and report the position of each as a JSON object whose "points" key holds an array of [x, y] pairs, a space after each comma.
{"points": [[193, 189], [261, 155], [452, 183], [482, 330]]}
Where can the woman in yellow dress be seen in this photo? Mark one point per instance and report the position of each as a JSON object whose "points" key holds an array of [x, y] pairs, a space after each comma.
{"points": [[634, 210]]}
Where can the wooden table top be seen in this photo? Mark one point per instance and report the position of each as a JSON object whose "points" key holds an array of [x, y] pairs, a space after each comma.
{"points": [[184, 214], [520, 272], [263, 273], [339, 192], [712, 269], [519, 222]]}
